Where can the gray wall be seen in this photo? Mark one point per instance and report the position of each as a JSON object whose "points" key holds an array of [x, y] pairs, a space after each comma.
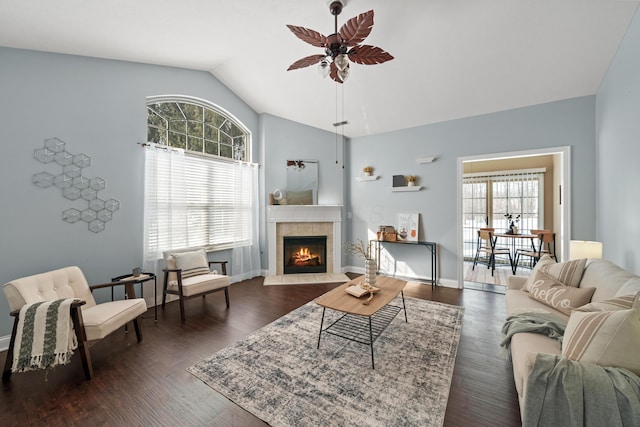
{"points": [[618, 147], [98, 108], [563, 123]]}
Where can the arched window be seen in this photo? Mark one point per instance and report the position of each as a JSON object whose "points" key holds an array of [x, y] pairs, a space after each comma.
{"points": [[199, 190], [196, 126]]}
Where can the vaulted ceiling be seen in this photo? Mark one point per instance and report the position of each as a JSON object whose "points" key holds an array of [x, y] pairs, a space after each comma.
{"points": [[453, 58]]}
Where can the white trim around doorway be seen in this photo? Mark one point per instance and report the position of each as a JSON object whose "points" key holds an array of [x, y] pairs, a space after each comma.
{"points": [[564, 195]]}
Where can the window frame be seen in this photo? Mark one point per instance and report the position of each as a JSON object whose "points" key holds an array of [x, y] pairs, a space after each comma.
{"points": [[497, 220], [219, 111], [234, 185]]}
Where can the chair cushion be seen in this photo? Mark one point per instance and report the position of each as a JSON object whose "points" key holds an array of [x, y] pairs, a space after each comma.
{"points": [[102, 319], [192, 263], [202, 283], [522, 344]]}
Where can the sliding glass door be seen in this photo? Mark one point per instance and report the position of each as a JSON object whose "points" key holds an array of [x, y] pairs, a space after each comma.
{"points": [[488, 197]]}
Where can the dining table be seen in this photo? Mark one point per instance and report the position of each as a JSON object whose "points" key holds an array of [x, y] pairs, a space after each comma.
{"points": [[512, 245]]}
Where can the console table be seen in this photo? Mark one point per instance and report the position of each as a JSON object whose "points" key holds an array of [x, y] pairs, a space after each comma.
{"points": [[431, 246]]}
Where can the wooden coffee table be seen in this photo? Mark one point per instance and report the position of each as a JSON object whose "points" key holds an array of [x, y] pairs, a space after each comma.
{"points": [[362, 323]]}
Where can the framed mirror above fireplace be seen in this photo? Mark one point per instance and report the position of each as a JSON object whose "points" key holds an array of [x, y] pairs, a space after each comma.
{"points": [[302, 182]]}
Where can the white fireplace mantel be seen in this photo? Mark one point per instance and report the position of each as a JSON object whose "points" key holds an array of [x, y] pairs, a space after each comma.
{"points": [[299, 214]]}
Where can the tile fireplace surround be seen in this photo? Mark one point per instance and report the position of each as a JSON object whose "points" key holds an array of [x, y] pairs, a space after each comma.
{"points": [[304, 220]]}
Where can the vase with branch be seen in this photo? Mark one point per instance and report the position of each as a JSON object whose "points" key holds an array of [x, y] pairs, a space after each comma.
{"points": [[359, 248], [513, 221]]}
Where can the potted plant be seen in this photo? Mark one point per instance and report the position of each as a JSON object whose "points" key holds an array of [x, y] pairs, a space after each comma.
{"points": [[368, 170], [513, 228], [411, 180]]}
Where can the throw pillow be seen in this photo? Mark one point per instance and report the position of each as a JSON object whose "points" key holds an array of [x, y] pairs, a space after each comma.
{"points": [[544, 260], [568, 273], [551, 292], [192, 263], [606, 338], [624, 302]]}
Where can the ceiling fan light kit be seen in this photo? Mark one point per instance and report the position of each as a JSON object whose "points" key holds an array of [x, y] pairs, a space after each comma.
{"points": [[342, 47]]}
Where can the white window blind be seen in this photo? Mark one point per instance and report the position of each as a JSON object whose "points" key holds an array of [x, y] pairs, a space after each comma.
{"points": [[197, 201]]}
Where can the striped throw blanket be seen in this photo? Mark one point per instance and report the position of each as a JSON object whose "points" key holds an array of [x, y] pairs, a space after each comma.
{"points": [[45, 336]]}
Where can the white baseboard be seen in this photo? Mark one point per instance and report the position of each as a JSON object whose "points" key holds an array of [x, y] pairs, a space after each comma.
{"points": [[447, 283], [4, 342]]}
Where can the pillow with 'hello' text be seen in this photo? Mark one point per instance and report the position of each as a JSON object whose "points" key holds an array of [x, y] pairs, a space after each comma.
{"points": [[551, 292]]}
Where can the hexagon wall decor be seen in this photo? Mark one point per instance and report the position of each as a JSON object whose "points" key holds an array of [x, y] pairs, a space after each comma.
{"points": [[74, 184]]}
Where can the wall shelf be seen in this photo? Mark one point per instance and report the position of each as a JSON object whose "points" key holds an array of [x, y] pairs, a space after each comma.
{"points": [[407, 188], [367, 178], [425, 159]]}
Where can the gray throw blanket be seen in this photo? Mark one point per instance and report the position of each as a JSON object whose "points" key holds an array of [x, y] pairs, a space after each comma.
{"points": [[561, 392], [543, 323], [44, 336]]}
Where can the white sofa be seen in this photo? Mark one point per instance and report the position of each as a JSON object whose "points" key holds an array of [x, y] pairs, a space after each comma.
{"points": [[609, 281]]}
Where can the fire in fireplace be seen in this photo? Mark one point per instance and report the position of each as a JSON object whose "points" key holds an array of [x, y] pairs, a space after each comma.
{"points": [[305, 254]]}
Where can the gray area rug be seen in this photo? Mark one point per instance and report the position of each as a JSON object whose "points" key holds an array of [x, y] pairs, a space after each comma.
{"points": [[279, 375]]}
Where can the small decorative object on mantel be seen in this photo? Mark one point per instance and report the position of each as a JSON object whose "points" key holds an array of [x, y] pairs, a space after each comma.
{"points": [[368, 170], [276, 197], [513, 228], [364, 250], [398, 180], [411, 180]]}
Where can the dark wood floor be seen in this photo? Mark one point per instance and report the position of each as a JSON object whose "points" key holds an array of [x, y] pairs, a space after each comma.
{"points": [[146, 384]]}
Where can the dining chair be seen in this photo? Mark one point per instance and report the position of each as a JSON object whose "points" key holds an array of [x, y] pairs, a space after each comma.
{"points": [[480, 247], [544, 238], [487, 245]]}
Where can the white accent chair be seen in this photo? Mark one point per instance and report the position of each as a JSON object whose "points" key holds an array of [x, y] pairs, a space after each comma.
{"points": [[91, 321], [188, 274]]}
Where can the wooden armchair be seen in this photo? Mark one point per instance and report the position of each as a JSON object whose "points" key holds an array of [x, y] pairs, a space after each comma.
{"points": [[188, 274], [91, 321]]}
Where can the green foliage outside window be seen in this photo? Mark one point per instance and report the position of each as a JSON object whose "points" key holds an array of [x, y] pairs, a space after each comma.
{"points": [[195, 128]]}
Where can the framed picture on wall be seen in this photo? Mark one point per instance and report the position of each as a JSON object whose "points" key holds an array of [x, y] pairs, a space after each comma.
{"points": [[408, 226]]}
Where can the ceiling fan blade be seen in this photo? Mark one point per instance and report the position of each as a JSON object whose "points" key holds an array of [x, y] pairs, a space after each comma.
{"points": [[333, 73], [305, 62], [356, 29], [314, 38], [369, 55]]}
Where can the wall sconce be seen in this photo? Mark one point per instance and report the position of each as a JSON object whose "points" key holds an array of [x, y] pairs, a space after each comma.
{"points": [[579, 249]]}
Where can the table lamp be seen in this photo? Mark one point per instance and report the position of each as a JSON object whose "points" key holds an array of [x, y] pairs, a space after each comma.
{"points": [[579, 249]]}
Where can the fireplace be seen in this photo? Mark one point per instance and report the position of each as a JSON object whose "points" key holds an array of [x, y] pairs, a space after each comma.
{"points": [[304, 220], [305, 254]]}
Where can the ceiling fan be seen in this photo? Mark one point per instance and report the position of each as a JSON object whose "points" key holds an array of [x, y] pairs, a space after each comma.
{"points": [[341, 46]]}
